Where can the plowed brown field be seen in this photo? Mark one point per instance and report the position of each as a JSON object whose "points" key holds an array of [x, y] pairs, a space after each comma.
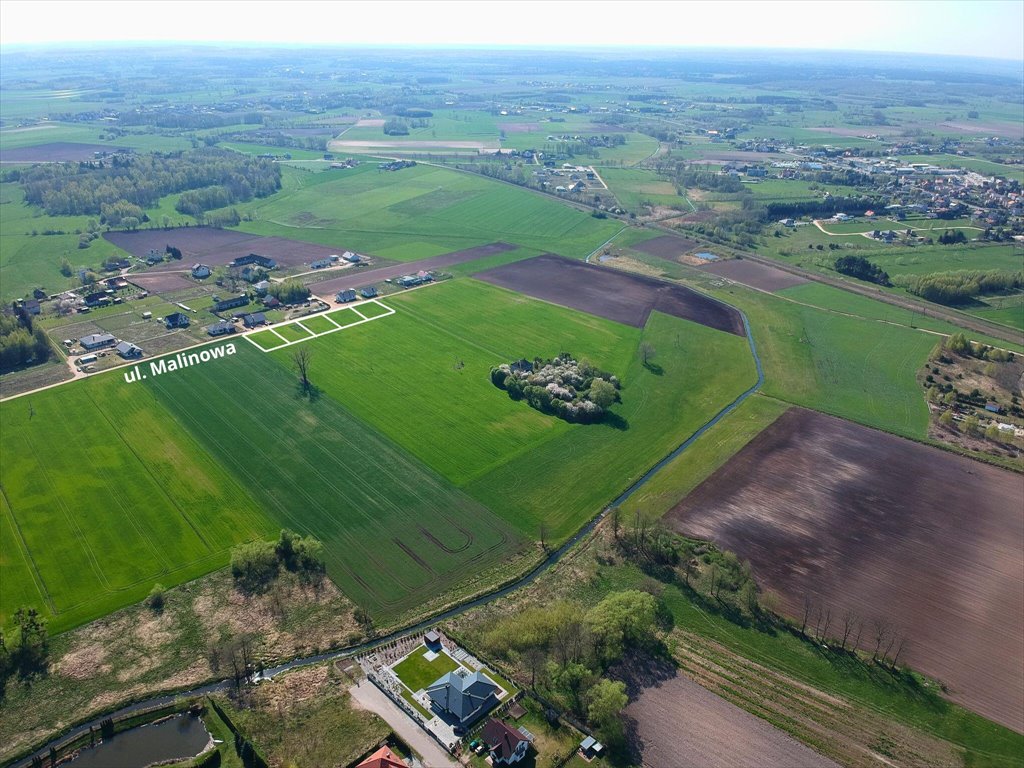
{"points": [[863, 521]]}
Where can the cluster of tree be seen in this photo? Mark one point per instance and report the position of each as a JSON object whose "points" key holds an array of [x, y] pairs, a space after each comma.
{"points": [[569, 389], [175, 117], [960, 345], [289, 291], [275, 139], [952, 237], [829, 206], [567, 651], [961, 286], [415, 112], [862, 269], [710, 180], [21, 342], [396, 127], [29, 654], [256, 564], [123, 186]]}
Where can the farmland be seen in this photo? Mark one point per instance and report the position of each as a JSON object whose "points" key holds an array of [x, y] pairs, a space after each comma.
{"points": [[813, 499], [106, 497], [424, 211]]}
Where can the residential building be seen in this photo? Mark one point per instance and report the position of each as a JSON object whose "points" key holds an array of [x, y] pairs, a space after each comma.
{"points": [[368, 292], [254, 319], [463, 698], [345, 296], [254, 258], [507, 745], [234, 301], [200, 271], [96, 341], [128, 351], [383, 758], [220, 329], [176, 320]]}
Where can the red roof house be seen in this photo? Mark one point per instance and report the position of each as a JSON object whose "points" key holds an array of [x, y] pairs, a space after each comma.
{"points": [[383, 758], [507, 745]]}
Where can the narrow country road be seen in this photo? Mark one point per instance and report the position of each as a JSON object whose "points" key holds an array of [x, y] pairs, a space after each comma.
{"points": [[368, 696]]}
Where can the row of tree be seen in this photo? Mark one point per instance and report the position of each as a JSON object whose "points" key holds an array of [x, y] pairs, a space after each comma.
{"points": [[861, 268], [962, 286], [141, 180]]}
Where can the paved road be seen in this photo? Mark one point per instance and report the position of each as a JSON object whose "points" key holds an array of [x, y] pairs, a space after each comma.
{"points": [[368, 696]]}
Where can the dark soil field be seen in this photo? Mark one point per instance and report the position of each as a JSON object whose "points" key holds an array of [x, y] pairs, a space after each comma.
{"points": [[679, 723], [863, 521], [217, 247], [666, 247], [357, 278], [55, 152], [756, 275], [161, 282], [625, 298]]}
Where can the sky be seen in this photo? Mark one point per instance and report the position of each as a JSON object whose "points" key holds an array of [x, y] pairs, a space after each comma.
{"points": [[982, 28]]}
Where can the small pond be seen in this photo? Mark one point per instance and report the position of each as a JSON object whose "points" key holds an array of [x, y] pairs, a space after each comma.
{"points": [[178, 738]]}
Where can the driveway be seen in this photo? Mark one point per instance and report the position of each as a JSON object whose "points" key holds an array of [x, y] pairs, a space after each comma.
{"points": [[368, 696]]}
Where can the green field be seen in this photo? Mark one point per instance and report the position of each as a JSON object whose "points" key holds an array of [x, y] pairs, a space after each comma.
{"points": [[417, 673], [419, 212], [634, 187], [107, 496], [395, 533]]}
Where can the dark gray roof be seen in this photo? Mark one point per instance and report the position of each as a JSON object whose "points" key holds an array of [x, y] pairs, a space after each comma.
{"points": [[466, 698]]}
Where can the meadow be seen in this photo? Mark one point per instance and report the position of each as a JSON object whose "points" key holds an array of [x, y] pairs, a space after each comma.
{"points": [[633, 187], [420, 212]]}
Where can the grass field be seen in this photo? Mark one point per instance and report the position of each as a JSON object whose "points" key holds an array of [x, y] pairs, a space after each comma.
{"points": [[395, 533], [106, 496], [420, 212], [417, 673], [633, 187], [508, 456]]}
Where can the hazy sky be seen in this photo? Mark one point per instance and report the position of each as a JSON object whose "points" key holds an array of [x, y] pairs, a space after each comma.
{"points": [[988, 28]]}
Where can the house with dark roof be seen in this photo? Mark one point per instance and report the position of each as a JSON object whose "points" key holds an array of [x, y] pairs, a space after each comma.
{"points": [[96, 340], [200, 271], [98, 299], [254, 319], [507, 745], [368, 292], [345, 296], [32, 306], [462, 699], [254, 258], [234, 301], [383, 758], [176, 320], [271, 302], [320, 264], [128, 351]]}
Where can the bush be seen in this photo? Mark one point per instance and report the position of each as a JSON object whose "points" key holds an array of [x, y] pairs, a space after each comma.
{"points": [[254, 565], [155, 601], [562, 386]]}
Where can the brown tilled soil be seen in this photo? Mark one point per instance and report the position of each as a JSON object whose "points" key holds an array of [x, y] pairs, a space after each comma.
{"points": [[55, 152], [625, 298], [862, 521], [161, 282], [216, 247], [755, 275], [679, 723], [666, 246], [357, 278]]}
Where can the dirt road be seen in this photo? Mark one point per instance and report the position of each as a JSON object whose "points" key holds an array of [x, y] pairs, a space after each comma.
{"points": [[368, 696]]}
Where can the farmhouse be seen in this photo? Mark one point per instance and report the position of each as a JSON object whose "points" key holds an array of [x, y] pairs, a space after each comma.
{"points": [[368, 292], [463, 699], [350, 257], [254, 319], [320, 264], [383, 758], [200, 271], [261, 287], [127, 350], [271, 302], [234, 301], [409, 281], [507, 745], [220, 329], [98, 299], [96, 340], [254, 258], [176, 320], [32, 306], [344, 296]]}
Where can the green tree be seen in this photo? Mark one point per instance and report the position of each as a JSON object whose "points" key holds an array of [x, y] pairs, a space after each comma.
{"points": [[254, 565], [969, 425], [946, 419], [958, 343], [602, 393], [606, 700], [620, 620]]}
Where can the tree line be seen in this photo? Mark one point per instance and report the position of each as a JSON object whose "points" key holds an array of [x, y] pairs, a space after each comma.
{"points": [[216, 177], [961, 286], [862, 269]]}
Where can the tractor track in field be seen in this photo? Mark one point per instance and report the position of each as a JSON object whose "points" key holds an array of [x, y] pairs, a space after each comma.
{"points": [[25, 760]]}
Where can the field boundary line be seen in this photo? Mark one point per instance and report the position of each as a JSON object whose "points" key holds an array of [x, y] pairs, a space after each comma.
{"points": [[298, 321]]}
